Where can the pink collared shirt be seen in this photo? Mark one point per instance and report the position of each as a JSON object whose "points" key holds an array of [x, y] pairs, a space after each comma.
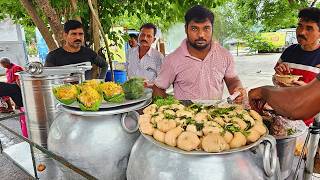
{"points": [[195, 79]]}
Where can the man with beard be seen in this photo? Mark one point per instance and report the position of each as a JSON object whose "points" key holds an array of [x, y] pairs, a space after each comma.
{"points": [[200, 66], [74, 52], [303, 58], [143, 60]]}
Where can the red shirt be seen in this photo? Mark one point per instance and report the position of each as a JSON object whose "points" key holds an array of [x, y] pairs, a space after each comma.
{"points": [[10, 73], [305, 63]]}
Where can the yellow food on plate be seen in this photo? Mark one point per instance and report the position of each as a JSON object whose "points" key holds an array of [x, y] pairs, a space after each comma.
{"points": [[93, 83], [89, 99], [66, 93]]}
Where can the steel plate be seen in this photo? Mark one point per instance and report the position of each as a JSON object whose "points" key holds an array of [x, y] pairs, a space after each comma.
{"points": [[107, 105], [109, 111]]}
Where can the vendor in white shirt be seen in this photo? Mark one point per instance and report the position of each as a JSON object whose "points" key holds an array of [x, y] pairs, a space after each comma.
{"points": [[144, 61]]}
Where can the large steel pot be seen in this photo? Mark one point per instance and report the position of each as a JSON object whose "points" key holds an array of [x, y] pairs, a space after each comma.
{"points": [[149, 161], [96, 142], [40, 103]]}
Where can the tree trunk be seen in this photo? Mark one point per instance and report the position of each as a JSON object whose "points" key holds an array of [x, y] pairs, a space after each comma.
{"points": [[46, 34], [95, 37], [53, 19], [313, 3], [96, 18], [74, 5]]}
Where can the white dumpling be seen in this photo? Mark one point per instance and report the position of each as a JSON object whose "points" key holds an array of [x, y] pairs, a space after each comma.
{"points": [[145, 118], [150, 109], [193, 128], [213, 143], [169, 111], [182, 113], [253, 136], [188, 141], [158, 135], [177, 106], [210, 129], [201, 117], [166, 125], [219, 120], [238, 140], [228, 136], [170, 137], [157, 118], [147, 128], [260, 128]]}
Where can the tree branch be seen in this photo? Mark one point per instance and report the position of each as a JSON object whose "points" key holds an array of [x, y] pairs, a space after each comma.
{"points": [[46, 34], [313, 3], [96, 18], [74, 6], [53, 19]]}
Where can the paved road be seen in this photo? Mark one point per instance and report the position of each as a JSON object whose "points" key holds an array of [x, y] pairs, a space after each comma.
{"points": [[8, 171], [253, 70]]}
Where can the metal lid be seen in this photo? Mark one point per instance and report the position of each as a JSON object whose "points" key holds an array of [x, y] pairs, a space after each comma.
{"points": [[35, 70]]}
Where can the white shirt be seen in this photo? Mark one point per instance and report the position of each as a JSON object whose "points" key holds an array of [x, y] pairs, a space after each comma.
{"points": [[147, 67]]}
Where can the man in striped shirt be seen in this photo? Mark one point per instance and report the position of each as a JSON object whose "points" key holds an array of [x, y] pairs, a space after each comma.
{"points": [[301, 106], [198, 68], [303, 58]]}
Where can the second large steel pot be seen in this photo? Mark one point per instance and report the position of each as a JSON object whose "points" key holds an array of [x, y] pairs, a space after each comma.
{"points": [[149, 161]]}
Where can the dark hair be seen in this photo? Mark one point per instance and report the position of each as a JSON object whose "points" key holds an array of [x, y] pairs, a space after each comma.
{"points": [[71, 25], [310, 14], [133, 36], [5, 60], [150, 26], [198, 14]]}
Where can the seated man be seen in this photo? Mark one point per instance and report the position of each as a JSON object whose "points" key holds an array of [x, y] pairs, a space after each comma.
{"points": [[12, 78], [198, 68], [303, 58]]}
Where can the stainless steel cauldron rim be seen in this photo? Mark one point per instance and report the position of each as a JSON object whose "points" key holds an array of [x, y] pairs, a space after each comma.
{"points": [[106, 105], [301, 128], [26, 76], [202, 153], [110, 111]]}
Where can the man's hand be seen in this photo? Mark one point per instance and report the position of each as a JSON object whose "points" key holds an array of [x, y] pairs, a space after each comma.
{"points": [[299, 83], [282, 69], [241, 97], [256, 99]]}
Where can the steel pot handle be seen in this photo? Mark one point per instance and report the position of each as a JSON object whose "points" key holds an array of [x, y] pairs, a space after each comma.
{"points": [[123, 119], [269, 160]]}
